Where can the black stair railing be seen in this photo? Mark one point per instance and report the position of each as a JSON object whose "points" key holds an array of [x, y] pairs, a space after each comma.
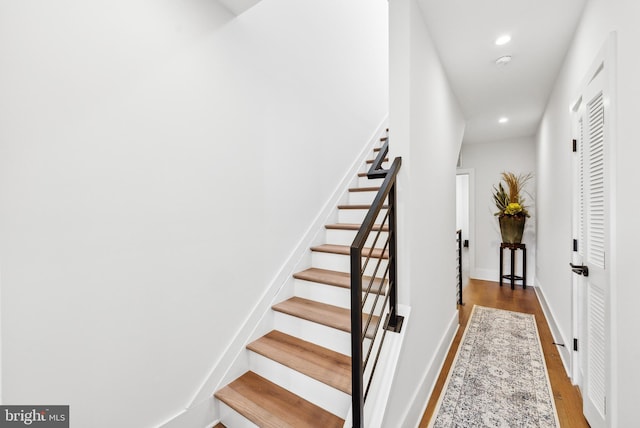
{"points": [[459, 267], [374, 300]]}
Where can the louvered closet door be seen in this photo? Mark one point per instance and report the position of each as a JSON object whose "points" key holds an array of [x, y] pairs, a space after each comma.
{"points": [[593, 225], [579, 234]]}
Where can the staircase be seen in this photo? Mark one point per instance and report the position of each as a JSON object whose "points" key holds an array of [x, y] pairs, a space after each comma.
{"points": [[301, 371]]}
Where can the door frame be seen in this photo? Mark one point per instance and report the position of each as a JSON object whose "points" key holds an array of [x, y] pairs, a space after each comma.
{"points": [[472, 216], [606, 58], [577, 281]]}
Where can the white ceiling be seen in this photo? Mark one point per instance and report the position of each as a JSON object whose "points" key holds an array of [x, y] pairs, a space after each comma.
{"points": [[464, 32]]}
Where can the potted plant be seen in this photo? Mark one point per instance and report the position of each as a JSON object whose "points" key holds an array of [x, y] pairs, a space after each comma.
{"points": [[512, 211]]}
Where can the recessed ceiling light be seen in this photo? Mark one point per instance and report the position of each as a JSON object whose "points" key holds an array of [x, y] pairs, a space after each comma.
{"points": [[503, 120], [504, 60], [503, 40]]}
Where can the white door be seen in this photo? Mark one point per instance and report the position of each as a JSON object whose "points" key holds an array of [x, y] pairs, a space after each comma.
{"points": [[591, 229], [579, 241], [465, 213]]}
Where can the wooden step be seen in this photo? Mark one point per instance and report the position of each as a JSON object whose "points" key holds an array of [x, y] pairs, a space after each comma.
{"points": [[359, 207], [346, 250], [384, 138], [370, 161], [377, 149], [354, 226], [364, 189], [321, 313], [219, 425], [339, 279], [321, 364], [267, 405]]}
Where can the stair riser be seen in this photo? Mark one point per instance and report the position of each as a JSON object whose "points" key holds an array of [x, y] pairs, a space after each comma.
{"points": [[346, 237], [319, 334], [357, 216], [332, 295], [328, 337], [368, 182], [373, 299], [356, 198], [341, 263], [318, 393], [374, 350], [231, 418], [323, 293]]}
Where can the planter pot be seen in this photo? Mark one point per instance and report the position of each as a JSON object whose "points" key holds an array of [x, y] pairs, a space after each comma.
{"points": [[511, 228]]}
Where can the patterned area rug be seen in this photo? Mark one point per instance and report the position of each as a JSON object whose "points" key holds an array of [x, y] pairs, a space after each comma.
{"points": [[499, 376]]}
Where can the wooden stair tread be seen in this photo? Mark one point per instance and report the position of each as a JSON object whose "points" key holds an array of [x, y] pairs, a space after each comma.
{"points": [[322, 364], [338, 279], [219, 425], [322, 313], [359, 207], [346, 250], [370, 161], [364, 189], [354, 226], [270, 406]]}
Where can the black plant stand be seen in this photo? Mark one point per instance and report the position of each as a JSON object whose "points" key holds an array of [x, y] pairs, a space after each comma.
{"points": [[512, 276]]}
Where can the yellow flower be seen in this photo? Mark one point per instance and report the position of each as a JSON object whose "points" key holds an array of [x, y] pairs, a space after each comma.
{"points": [[513, 208]]}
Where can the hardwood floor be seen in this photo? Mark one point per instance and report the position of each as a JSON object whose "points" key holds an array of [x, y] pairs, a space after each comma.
{"points": [[490, 294]]}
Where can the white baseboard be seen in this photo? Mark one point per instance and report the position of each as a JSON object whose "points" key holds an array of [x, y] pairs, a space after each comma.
{"points": [[494, 275], [558, 337], [229, 365], [485, 274], [418, 403], [201, 415]]}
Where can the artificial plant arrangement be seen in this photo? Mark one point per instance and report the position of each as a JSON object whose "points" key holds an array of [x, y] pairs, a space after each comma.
{"points": [[512, 211]]}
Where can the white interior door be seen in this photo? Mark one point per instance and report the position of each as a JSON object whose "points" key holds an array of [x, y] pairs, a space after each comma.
{"points": [[579, 241], [465, 208], [591, 226]]}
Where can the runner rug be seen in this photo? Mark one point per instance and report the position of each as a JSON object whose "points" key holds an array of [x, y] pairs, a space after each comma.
{"points": [[499, 377]]}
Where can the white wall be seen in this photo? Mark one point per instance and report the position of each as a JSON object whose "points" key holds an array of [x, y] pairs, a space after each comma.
{"points": [[158, 162], [554, 203], [426, 128], [488, 161]]}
